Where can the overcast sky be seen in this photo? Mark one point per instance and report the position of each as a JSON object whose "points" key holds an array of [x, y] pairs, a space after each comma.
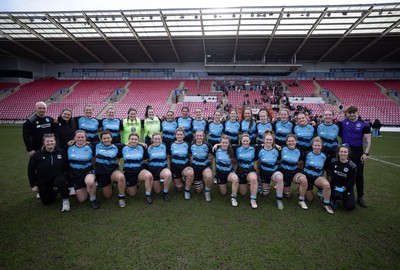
{"points": [[66, 5]]}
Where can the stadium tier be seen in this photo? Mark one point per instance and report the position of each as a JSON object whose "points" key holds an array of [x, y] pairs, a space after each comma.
{"points": [[138, 94]]}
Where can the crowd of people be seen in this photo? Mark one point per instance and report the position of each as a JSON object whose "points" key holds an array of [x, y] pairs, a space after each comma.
{"points": [[78, 155]]}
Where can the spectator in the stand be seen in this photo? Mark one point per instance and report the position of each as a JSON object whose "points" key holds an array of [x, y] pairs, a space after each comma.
{"points": [[131, 124], [357, 134], [35, 127], [89, 124], [112, 124], [185, 121], [151, 124]]}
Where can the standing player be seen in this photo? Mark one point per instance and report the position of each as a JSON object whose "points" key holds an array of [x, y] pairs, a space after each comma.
{"points": [[112, 124], [185, 121], [249, 125], [168, 128], [263, 125], [131, 124], [357, 134], [282, 127], [215, 129], [35, 127], [151, 124], [232, 127], [89, 124], [199, 123]]}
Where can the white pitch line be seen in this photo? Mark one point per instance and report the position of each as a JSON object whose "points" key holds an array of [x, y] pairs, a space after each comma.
{"points": [[396, 165]]}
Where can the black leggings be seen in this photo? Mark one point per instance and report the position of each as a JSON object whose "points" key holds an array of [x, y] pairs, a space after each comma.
{"points": [[47, 192], [349, 201]]}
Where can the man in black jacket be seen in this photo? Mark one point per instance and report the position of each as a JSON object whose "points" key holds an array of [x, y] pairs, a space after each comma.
{"points": [[35, 127]]}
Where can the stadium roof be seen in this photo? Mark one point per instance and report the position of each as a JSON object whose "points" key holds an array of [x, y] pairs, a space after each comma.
{"points": [[263, 34]]}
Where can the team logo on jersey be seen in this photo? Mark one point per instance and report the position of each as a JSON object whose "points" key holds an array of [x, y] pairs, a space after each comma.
{"points": [[346, 169], [47, 120], [59, 156], [358, 125]]}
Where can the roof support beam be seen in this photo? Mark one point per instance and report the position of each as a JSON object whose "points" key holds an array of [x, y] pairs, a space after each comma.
{"points": [[169, 35], [309, 34], [237, 35], [136, 36], [334, 46], [72, 37], [278, 21], [89, 21], [394, 25], [25, 47], [33, 32], [203, 37], [388, 55]]}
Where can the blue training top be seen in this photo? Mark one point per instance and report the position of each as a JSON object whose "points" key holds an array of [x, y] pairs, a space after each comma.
{"points": [[90, 126], [186, 123], [133, 158], [106, 158], [80, 159], [232, 130], [223, 162], [245, 157], [304, 136], [179, 154], [314, 164], [157, 156], [114, 126], [168, 130], [245, 127], [281, 130], [200, 154], [328, 134], [290, 159], [261, 128], [215, 132], [268, 160], [199, 125]]}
